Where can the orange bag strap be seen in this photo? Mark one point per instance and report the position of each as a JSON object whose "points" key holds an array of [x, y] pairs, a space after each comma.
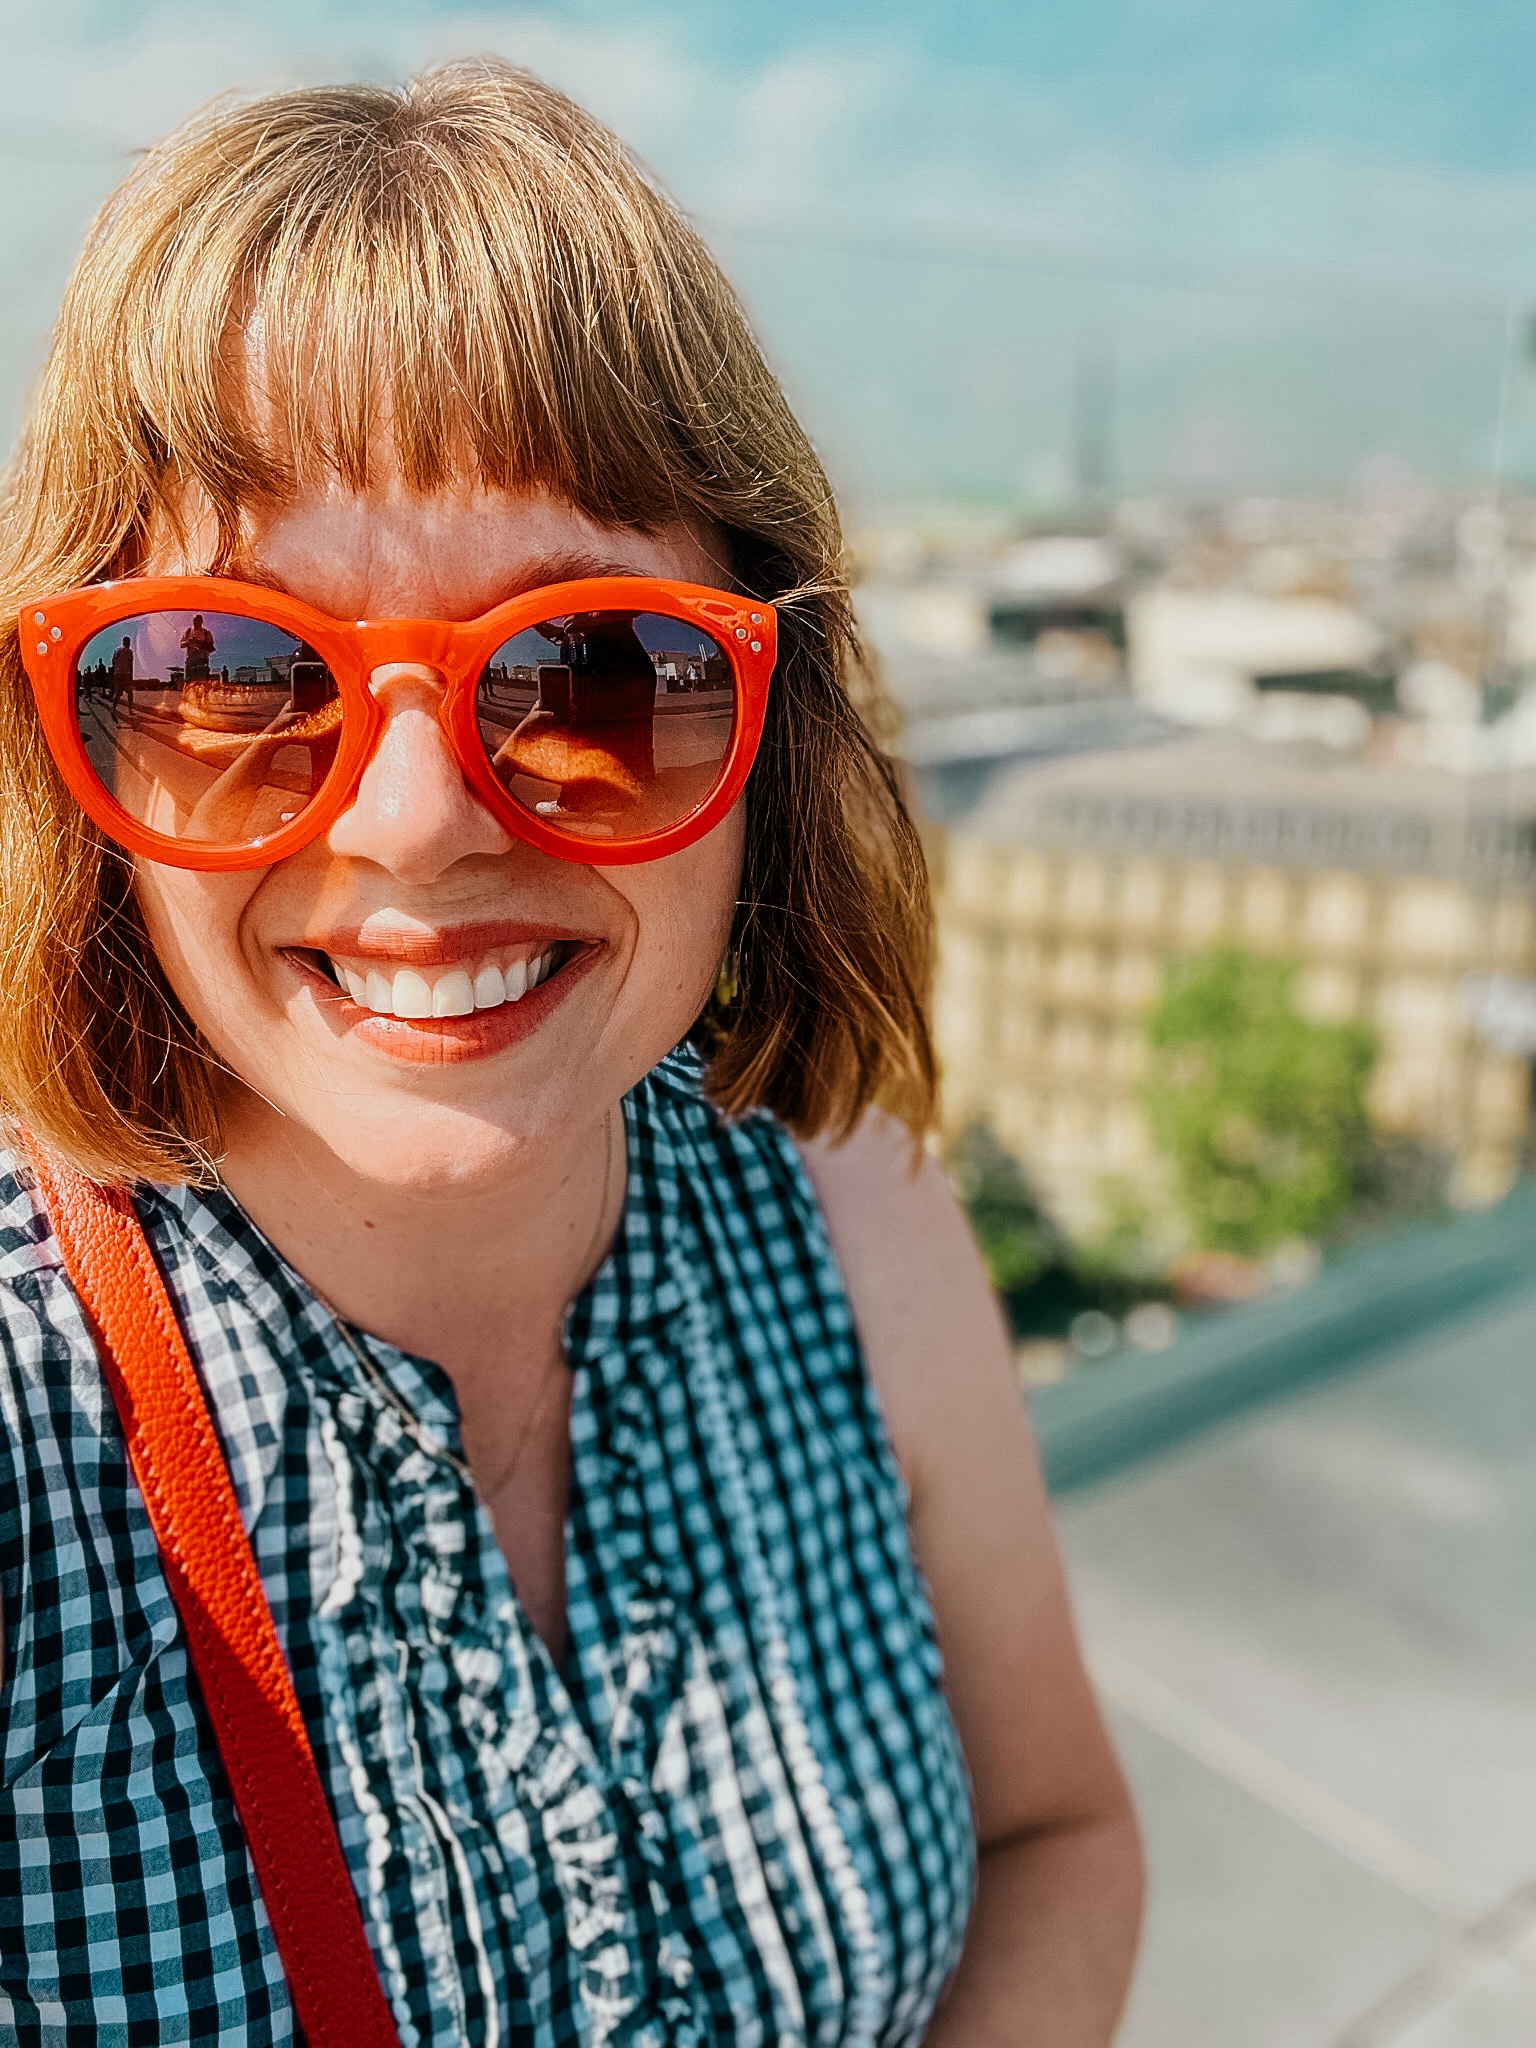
{"points": [[209, 1566]]}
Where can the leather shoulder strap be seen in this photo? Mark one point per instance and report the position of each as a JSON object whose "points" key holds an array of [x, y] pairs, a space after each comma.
{"points": [[180, 1468]]}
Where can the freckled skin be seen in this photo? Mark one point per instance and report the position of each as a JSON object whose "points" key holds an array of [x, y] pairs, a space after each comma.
{"points": [[418, 852], [451, 1207], [456, 1208]]}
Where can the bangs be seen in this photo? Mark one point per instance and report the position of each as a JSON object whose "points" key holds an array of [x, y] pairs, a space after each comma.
{"points": [[467, 281], [363, 284]]}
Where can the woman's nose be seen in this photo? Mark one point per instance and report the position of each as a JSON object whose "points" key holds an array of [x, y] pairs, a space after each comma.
{"points": [[414, 814]]}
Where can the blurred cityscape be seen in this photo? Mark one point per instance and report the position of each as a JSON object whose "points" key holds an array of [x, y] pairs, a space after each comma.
{"points": [[1181, 364], [1232, 814], [1231, 806]]}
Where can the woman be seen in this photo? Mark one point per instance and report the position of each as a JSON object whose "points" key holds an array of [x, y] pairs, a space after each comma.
{"points": [[522, 1120]]}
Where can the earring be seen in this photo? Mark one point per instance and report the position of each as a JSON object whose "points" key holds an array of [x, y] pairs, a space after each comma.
{"points": [[727, 981]]}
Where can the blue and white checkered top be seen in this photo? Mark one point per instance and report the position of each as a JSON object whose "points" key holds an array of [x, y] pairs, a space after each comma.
{"points": [[735, 1813]]}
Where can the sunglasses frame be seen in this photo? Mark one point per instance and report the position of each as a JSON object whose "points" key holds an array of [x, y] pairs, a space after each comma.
{"points": [[55, 631]]}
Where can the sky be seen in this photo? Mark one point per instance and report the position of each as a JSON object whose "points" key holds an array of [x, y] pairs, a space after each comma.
{"points": [[995, 250]]}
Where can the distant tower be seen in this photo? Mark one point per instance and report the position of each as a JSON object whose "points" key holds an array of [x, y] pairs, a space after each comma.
{"points": [[1093, 425]]}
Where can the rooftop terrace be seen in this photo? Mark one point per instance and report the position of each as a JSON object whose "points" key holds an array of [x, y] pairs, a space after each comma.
{"points": [[1306, 1591]]}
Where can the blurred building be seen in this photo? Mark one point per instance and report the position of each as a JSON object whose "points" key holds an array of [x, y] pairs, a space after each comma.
{"points": [[1233, 656], [1066, 889]]}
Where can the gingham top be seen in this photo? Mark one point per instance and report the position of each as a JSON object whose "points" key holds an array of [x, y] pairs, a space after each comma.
{"points": [[736, 1812]]}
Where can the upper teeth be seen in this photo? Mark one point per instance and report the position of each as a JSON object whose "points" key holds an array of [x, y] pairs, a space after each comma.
{"points": [[444, 992]]}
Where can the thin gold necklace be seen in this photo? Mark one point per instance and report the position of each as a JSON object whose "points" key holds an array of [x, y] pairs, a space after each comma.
{"points": [[412, 1422]]}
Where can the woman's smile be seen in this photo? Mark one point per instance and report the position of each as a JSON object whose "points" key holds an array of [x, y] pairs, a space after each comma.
{"points": [[388, 995], [436, 997], [507, 1060]]}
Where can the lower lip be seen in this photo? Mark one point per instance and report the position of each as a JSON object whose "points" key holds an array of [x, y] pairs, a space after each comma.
{"points": [[444, 1041]]}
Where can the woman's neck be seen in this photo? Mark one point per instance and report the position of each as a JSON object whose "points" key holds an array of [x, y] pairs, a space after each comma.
{"points": [[476, 1279]]}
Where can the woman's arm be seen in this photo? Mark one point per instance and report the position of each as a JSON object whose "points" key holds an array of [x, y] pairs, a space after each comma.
{"points": [[1050, 1947]]}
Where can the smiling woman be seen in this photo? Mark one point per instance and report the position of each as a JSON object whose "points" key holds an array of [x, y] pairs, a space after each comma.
{"points": [[466, 950]]}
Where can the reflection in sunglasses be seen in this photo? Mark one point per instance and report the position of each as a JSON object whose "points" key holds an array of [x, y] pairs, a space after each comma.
{"points": [[223, 728], [224, 755], [608, 722]]}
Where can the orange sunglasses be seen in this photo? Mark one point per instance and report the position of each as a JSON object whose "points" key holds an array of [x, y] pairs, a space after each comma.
{"points": [[215, 725]]}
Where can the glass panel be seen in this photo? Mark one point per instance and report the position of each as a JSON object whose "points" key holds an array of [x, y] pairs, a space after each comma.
{"points": [[610, 724], [206, 726]]}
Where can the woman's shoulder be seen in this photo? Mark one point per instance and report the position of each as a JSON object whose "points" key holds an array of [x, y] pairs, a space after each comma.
{"points": [[880, 1201], [31, 1267], [723, 1204], [51, 1403], [32, 1272], [205, 1248], [735, 1188], [749, 1159], [930, 1326]]}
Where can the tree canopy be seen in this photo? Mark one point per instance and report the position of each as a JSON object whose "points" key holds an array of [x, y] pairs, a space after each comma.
{"points": [[1016, 1239], [1261, 1109]]}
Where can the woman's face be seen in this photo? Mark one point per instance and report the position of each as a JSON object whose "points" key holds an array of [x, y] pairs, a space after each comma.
{"points": [[417, 880]]}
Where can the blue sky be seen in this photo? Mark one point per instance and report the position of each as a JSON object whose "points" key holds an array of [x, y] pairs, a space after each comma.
{"points": [[1288, 237]]}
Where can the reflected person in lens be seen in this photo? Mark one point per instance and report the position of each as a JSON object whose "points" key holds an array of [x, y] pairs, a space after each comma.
{"points": [[607, 731], [226, 757], [619, 1420]]}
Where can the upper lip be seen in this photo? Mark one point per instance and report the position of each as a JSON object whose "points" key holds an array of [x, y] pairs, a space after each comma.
{"points": [[448, 946]]}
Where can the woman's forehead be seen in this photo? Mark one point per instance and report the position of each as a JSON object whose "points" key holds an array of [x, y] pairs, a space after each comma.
{"points": [[449, 553]]}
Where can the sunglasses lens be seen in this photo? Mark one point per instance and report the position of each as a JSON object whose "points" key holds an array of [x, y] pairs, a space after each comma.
{"points": [[609, 725], [205, 726]]}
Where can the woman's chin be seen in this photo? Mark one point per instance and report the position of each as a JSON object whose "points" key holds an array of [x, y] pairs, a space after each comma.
{"points": [[432, 1158], [402, 1144]]}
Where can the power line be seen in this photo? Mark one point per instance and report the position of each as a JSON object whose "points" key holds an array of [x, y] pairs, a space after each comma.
{"points": [[965, 248], [957, 246]]}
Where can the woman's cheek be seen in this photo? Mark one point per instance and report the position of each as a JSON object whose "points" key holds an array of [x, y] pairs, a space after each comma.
{"points": [[684, 908], [194, 924]]}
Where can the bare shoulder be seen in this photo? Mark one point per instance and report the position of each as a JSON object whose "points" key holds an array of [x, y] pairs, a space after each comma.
{"points": [[932, 1334], [981, 1528]]}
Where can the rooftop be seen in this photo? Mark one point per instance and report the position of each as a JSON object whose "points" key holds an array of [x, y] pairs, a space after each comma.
{"points": [[1221, 796], [1314, 1628]]}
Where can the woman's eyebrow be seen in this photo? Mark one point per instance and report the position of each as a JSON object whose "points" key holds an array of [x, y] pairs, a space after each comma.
{"points": [[240, 570], [563, 565]]}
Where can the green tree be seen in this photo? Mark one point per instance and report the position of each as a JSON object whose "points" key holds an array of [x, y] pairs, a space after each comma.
{"points": [[1126, 1248], [1261, 1110], [1016, 1240]]}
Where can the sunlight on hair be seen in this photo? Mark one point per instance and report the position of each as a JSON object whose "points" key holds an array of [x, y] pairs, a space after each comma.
{"points": [[468, 280]]}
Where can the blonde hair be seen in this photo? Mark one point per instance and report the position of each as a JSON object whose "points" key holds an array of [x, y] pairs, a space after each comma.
{"points": [[467, 278]]}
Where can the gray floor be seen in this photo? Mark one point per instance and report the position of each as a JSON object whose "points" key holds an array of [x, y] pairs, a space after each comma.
{"points": [[1315, 1631]]}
